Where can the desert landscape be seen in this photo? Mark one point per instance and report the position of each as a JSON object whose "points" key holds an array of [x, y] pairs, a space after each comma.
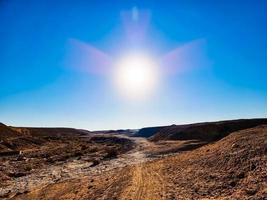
{"points": [[213, 160], [133, 100]]}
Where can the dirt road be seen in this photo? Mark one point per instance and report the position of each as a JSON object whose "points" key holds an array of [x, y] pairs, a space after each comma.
{"points": [[137, 180], [145, 183]]}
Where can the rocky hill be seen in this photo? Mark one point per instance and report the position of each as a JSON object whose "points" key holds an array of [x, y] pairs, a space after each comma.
{"points": [[232, 168], [208, 132]]}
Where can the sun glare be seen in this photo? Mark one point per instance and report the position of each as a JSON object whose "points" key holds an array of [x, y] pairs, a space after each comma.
{"points": [[136, 75]]}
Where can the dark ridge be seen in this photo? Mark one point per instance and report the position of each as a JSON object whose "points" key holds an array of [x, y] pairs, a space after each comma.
{"points": [[148, 131], [54, 132], [208, 132]]}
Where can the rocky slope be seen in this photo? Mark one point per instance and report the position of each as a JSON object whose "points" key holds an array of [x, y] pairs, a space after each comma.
{"points": [[209, 131], [232, 168]]}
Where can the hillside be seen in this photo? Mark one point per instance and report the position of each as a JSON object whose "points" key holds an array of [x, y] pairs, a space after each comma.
{"points": [[21, 138], [148, 131], [234, 167], [54, 132], [7, 132], [208, 132]]}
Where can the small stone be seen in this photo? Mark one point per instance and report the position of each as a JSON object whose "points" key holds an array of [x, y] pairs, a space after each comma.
{"points": [[232, 183], [253, 166], [241, 175], [235, 145]]}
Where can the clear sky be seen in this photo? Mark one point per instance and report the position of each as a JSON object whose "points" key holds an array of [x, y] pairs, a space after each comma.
{"points": [[211, 62]]}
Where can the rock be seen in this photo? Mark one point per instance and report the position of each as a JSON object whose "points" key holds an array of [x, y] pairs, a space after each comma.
{"points": [[16, 174], [235, 145], [232, 183], [5, 194], [240, 175], [251, 191], [252, 166], [95, 162]]}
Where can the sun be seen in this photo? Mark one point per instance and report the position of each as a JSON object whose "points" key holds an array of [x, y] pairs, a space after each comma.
{"points": [[136, 75]]}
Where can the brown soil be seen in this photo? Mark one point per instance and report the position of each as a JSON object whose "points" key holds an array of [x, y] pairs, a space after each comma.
{"points": [[232, 168], [48, 158]]}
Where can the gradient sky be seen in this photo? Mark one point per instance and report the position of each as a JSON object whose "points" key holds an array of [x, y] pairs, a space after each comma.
{"points": [[41, 84]]}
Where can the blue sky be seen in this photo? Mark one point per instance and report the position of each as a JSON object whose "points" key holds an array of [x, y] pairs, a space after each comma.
{"points": [[38, 87]]}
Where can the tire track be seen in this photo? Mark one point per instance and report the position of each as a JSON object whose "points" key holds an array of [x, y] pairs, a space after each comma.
{"points": [[146, 183]]}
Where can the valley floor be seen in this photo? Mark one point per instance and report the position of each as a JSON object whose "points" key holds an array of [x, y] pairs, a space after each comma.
{"points": [[126, 177]]}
